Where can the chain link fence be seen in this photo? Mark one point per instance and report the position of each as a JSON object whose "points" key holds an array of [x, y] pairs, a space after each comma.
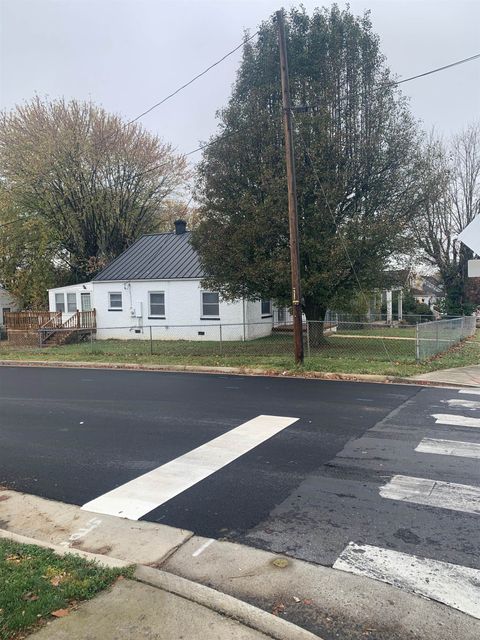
{"points": [[244, 344], [439, 336]]}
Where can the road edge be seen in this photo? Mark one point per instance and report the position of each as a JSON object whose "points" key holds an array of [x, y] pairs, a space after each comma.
{"points": [[243, 371]]}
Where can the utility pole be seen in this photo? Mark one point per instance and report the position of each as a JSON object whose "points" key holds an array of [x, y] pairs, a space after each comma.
{"points": [[292, 193]]}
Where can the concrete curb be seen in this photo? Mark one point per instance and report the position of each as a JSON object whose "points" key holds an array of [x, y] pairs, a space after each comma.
{"points": [[222, 603], [105, 561], [242, 371], [229, 606], [321, 375]]}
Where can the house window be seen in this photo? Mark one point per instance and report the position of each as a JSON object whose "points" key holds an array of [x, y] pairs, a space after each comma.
{"points": [[210, 304], [86, 302], [115, 301], [156, 304], [266, 308], [71, 302], [60, 302]]}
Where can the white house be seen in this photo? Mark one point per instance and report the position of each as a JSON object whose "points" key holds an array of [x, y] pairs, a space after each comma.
{"points": [[154, 287], [7, 303]]}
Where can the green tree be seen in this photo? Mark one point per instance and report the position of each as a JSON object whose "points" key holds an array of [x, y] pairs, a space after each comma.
{"points": [[356, 157], [92, 181], [27, 256]]}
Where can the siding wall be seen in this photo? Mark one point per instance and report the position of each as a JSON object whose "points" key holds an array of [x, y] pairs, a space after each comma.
{"points": [[6, 302], [183, 312]]}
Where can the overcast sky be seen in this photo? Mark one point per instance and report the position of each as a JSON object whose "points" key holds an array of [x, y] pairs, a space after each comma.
{"points": [[128, 54]]}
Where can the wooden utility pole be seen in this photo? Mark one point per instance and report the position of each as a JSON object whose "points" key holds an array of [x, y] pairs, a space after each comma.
{"points": [[292, 194]]}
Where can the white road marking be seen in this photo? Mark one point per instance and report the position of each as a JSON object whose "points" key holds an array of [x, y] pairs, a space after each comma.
{"points": [[475, 392], [457, 421], [463, 404], [433, 493], [147, 492], [450, 584], [449, 448], [202, 548]]}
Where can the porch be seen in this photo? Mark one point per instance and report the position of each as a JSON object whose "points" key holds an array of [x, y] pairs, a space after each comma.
{"points": [[46, 328]]}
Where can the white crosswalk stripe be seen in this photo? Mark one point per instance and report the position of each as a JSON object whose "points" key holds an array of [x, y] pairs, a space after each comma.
{"points": [[433, 493], [147, 492], [460, 403], [450, 584], [449, 448], [454, 585], [456, 421]]}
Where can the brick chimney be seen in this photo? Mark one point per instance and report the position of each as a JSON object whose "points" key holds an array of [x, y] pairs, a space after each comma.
{"points": [[180, 227]]}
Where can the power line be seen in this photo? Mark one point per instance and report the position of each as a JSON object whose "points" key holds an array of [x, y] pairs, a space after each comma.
{"points": [[394, 83], [199, 75], [428, 73]]}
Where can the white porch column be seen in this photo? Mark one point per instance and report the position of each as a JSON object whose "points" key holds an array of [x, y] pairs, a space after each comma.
{"points": [[400, 305], [389, 306]]}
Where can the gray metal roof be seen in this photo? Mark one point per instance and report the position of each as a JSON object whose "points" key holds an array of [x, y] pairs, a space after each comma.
{"points": [[159, 256]]}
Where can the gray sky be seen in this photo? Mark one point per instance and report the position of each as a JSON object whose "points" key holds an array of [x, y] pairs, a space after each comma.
{"points": [[128, 54]]}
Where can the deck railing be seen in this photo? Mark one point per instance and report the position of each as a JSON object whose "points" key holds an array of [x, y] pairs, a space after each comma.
{"points": [[25, 320]]}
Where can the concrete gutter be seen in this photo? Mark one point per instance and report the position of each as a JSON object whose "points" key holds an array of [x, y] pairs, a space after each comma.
{"points": [[229, 606], [241, 371]]}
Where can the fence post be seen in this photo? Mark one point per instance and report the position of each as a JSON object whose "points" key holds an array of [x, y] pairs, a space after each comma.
{"points": [[221, 346], [417, 344], [151, 340], [436, 332], [308, 339]]}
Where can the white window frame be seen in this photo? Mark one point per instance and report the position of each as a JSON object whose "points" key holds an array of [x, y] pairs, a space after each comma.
{"points": [[57, 295], [115, 293], [203, 315], [153, 315], [70, 294], [267, 314]]}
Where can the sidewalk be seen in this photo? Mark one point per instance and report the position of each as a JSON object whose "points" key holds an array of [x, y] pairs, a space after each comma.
{"points": [[137, 611], [460, 376], [190, 588]]}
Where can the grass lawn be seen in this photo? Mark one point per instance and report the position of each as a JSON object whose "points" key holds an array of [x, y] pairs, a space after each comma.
{"points": [[353, 353], [34, 582]]}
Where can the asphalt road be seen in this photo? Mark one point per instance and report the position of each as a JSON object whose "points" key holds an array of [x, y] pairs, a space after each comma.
{"points": [[310, 490]]}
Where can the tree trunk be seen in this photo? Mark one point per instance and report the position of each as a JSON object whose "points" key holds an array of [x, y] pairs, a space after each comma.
{"points": [[315, 313]]}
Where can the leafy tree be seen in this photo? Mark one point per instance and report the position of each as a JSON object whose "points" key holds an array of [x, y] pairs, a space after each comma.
{"points": [[93, 182], [356, 160], [27, 256]]}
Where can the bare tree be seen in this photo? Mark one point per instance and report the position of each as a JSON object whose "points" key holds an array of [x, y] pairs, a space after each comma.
{"points": [[450, 179], [96, 181]]}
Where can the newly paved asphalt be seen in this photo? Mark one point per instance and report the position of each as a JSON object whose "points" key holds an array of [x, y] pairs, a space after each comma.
{"points": [[74, 434]]}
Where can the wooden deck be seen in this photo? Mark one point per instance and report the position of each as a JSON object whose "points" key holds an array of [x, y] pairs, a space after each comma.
{"points": [[48, 327]]}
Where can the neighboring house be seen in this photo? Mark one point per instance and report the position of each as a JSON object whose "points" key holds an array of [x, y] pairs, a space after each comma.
{"points": [[157, 283], [427, 290], [7, 303]]}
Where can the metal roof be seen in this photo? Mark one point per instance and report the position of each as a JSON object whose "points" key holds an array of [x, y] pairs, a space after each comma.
{"points": [[159, 256]]}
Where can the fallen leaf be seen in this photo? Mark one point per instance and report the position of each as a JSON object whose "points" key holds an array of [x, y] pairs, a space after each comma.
{"points": [[281, 563], [278, 608], [308, 601], [60, 613], [30, 597]]}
